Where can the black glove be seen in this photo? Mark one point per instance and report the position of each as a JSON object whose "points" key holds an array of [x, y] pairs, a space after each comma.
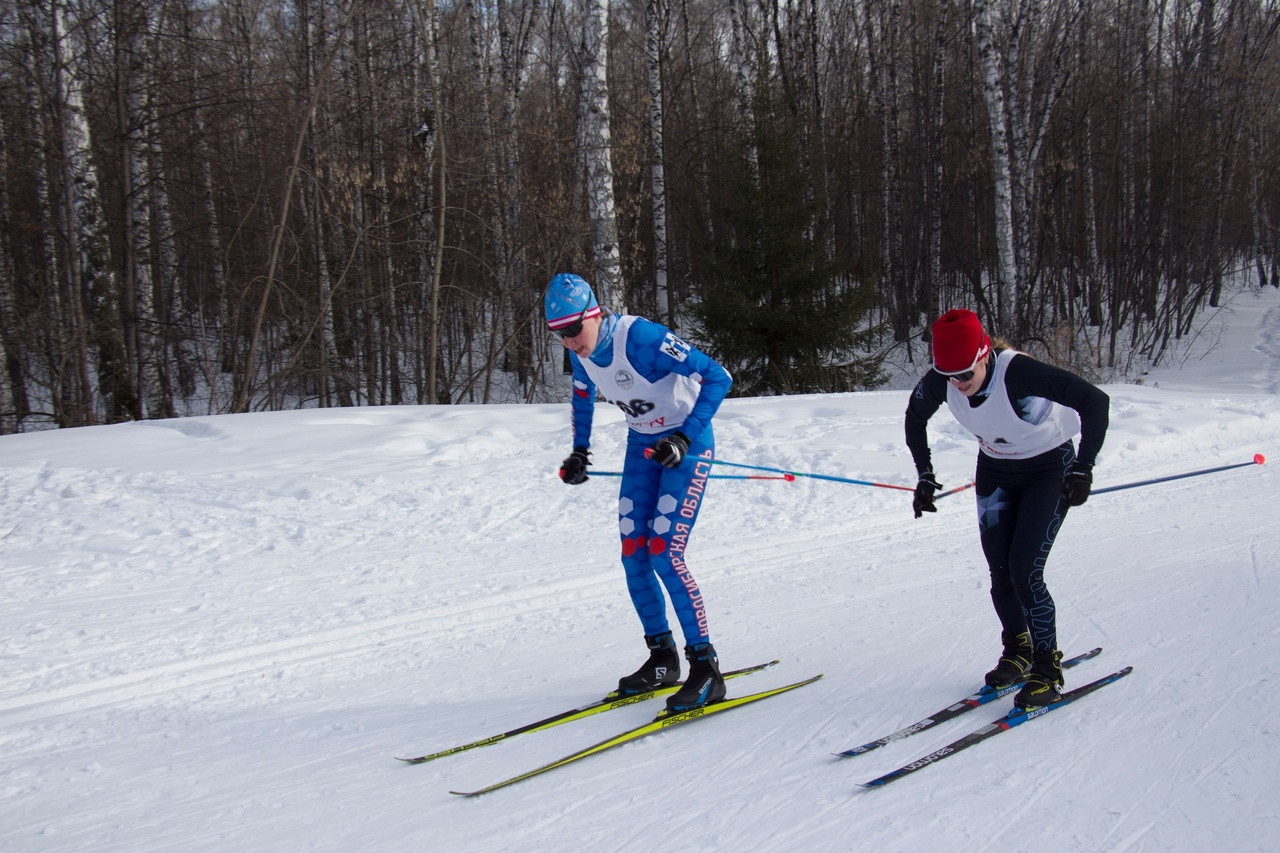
{"points": [[924, 493], [573, 470], [1076, 483], [669, 450]]}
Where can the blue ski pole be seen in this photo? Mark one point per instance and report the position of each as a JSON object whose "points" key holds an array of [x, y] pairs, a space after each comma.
{"points": [[783, 477], [794, 474]]}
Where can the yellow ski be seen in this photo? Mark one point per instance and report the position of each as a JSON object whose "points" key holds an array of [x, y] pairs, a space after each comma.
{"points": [[663, 721], [608, 703]]}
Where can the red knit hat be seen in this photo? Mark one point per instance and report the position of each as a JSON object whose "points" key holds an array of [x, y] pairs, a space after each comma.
{"points": [[958, 341]]}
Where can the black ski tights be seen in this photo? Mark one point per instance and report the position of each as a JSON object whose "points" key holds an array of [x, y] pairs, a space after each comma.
{"points": [[1019, 515]]}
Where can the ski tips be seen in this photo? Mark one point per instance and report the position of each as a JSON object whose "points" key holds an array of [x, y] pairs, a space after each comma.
{"points": [[1259, 458]]}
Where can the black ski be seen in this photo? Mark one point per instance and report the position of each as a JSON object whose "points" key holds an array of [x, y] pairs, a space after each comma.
{"points": [[976, 700], [1016, 717]]}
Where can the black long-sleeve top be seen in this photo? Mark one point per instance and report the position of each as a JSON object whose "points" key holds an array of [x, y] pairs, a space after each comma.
{"points": [[1024, 377]]}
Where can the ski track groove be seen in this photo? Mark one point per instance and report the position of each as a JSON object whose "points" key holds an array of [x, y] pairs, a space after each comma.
{"points": [[1166, 791], [329, 645]]}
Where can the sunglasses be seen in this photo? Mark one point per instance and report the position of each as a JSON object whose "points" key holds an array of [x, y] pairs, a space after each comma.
{"points": [[575, 328], [963, 376]]}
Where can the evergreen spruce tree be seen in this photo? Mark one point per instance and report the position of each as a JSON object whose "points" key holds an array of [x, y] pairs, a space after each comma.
{"points": [[773, 308]]}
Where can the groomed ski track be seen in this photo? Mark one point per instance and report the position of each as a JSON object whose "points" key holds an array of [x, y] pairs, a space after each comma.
{"points": [[220, 630]]}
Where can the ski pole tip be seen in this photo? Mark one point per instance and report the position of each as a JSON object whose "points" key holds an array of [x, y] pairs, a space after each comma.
{"points": [[1259, 458], [789, 477]]}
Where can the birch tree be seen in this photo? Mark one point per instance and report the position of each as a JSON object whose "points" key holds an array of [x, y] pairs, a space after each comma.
{"points": [[10, 417], [433, 145], [77, 188], [935, 122], [42, 96], [254, 162], [598, 155], [1006, 272], [655, 19]]}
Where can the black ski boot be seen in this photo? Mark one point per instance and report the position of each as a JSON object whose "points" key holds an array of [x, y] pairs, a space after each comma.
{"points": [[1042, 684], [705, 684], [1015, 661], [662, 669]]}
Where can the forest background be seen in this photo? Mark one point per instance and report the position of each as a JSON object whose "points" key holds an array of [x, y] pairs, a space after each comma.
{"points": [[236, 205]]}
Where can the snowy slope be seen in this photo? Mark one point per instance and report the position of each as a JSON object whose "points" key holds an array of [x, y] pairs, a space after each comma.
{"points": [[218, 631]]}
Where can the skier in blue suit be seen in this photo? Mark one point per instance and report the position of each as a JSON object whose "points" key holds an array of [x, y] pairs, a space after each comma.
{"points": [[669, 391]]}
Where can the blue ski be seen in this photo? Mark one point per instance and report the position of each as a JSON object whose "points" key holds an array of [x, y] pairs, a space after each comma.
{"points": [[1016, 717], [965, 705]]}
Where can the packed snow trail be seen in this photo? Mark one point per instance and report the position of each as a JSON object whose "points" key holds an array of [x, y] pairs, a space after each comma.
{"points": [[219, 630]]}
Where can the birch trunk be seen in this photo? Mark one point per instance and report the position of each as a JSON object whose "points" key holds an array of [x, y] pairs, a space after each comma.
{"points": [[43, 139], [598, 156], [1092, 260], [433, 145], [215, 355], [1001, 168], [515, 26], [86, 234], [655, 19], [937, 119], [166, 349], [138, 270], [10, 416]]}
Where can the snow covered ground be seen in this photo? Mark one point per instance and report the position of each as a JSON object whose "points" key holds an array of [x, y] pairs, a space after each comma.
{"points": [[218, 631]]}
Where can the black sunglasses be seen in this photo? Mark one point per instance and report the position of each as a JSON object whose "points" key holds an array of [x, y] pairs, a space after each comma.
{"points": [[575, 328], [959, 377]]}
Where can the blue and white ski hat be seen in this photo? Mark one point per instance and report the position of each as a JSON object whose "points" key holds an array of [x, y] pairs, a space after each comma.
{"points": [[569, 299]]}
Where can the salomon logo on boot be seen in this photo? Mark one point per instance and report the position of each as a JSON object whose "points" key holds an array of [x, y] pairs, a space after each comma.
{"points": [[662, 669], [705, 684]]}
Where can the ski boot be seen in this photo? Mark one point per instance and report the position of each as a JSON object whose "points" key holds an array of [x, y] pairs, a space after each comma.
{"points": [[1042, 684], [1015, 661], [662, 669], [705, 684]]}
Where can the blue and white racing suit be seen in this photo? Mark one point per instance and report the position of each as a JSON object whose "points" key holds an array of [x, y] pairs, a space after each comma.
{"points": [[662, 384]]}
